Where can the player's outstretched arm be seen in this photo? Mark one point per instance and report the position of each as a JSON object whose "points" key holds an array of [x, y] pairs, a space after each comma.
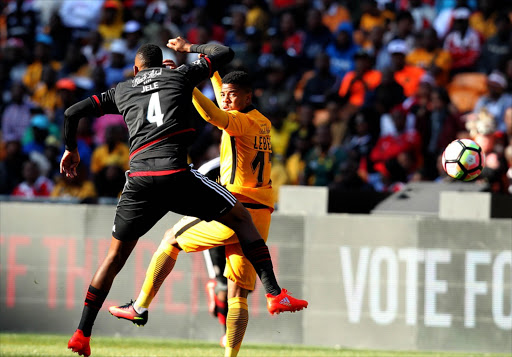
{"points": [[218, 55], [209, 111]]}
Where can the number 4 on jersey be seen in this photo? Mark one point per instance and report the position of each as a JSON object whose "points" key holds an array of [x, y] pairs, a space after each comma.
{"points": [[154, 110]]}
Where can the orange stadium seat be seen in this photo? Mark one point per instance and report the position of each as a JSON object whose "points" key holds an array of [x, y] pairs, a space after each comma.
{"points": [[466, 88]]}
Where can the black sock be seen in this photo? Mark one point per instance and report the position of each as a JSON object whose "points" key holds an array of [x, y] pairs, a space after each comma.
{"points": [[92, 305], [259, 256]]}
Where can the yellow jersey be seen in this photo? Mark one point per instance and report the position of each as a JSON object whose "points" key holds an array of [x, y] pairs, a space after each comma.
{"points": [[245, 152]]}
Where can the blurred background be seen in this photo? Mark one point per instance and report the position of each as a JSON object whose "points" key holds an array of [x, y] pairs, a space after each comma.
{"points": [[363, 96]]}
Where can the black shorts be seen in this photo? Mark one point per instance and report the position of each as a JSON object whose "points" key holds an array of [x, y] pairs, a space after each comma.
{"points": [[146, 199]]}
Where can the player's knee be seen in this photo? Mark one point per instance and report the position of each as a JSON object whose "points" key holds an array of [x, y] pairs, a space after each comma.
{"points": [[169, 236], [238, 216], [169, 239], [115, 259]]}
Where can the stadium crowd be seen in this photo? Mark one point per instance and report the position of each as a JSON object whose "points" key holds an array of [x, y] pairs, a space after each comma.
{"points": [[363, 95]]}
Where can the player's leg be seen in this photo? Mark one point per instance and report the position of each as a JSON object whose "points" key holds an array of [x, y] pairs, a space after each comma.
{"points": [[241, 280], [225, 208], [237, 318], [217, 286], [129, 224], [117, 255], [159, 268], [190, 234]]}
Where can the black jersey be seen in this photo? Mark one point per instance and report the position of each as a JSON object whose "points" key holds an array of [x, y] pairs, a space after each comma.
{"points": [[157, 108]]}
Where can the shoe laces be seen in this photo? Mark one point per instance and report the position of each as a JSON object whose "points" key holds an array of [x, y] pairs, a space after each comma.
{"points": [[127, 305]]}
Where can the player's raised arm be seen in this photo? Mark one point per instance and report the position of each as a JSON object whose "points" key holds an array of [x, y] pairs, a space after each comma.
{"points": [[209, 111], [216, 56]]}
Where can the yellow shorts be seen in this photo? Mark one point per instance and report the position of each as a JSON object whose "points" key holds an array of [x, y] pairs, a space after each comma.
{"points": [[195, 235]]}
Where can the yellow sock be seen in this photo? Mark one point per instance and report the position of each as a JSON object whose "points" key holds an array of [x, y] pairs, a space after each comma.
{"points": [[161, 265], [236, 324]]}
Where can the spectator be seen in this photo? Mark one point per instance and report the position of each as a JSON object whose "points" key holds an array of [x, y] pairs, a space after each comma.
{"points": [[117, 70], [14, 60], [111, 21], [391, 155], [483, 20], [34, 184], [422, 13], [94, 51], [276, 94], [60, 35], [16, 116], [45, 92], [497, 100], [443, 126], [508, 175], [236, 37], [22, 21], [375, 46], [406, 75], [257, 15], [42, 57], [79, 187], [371, 17], [35, 135], [11, 167], [358, 85], [280, 132], [317, 37], [202, 20], [360, 142], [321, 84], [463, 43], [274, 53], [132, 33], [388, 94], [403, 29], [75, 64], [66, 92], [497, 49], [323, 161], [342, 50], [430, 56], [333, 14], [115, 150], [109, 181], [306, 128], [293, 39]]}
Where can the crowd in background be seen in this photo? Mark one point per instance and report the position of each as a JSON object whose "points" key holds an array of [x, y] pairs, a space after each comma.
{"points": [[362, 95]]}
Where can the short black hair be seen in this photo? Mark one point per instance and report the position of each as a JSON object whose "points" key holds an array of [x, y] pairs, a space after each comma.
{"points": [[238, 78], [150, 55]]}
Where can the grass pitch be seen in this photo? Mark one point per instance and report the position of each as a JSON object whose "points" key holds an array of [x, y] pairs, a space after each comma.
{"points": [[28, 345]]}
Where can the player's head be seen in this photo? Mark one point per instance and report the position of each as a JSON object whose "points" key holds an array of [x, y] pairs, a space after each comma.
{"points": [[148, 55], [236, 92]]}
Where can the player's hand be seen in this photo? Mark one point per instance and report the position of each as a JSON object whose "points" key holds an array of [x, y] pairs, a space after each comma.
{"points": [[69, 163], [169, 63], [179, 44]]}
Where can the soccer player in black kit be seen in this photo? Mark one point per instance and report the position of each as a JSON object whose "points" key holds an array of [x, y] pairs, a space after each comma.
{"points": [[157, 105]]}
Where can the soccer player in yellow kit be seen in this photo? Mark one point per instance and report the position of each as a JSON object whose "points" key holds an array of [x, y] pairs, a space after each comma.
{"points": [[245, 166]]}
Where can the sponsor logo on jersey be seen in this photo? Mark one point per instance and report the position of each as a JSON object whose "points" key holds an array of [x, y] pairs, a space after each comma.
{"points": [[146, 77]]}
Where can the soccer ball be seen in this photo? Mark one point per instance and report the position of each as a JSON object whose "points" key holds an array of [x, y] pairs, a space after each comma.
{"points": [[463, 159]]}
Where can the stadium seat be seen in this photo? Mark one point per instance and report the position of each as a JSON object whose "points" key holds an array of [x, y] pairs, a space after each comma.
{"points": [[466, 88]]}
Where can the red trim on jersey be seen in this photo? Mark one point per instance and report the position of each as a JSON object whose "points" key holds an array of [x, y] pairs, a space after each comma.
{"points": [[96, 99], [209, 65], [160, 139], [155, 173]]}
